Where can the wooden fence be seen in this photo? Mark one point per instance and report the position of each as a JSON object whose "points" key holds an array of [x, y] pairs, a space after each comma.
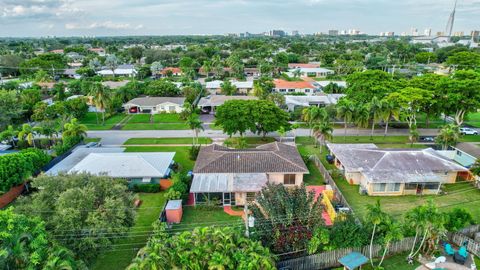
{"points": [[471, 230], [330, 258]]}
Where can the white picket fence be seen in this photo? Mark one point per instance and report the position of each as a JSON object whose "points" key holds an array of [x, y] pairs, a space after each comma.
{"points": [[330, 258]]}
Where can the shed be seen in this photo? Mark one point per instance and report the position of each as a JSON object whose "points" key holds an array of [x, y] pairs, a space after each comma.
{"points": [[174, 211], [353, 260]]}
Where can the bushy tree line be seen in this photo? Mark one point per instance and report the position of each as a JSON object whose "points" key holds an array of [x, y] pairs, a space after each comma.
{"points": [[17, 167]]}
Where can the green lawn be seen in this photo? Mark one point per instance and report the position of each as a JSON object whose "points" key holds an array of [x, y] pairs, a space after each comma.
{"points": [[461, 194], [125, 249], [155, 126], [181, 153], [139, 118], [473, 119], [251, 141], [90, 120], [215, 127], [202, 140], [167, 118], [470, 138], [396, 262], [194, 217], [314, 178]]}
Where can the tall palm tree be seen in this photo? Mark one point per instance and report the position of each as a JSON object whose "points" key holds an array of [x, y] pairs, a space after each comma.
{"points": [[74, 129], [28, 133], [448, 135], [60, 259], [323, 131], [101, 98], [207, 67], [345, 110], [313, 114], [196, 126], [375, 107], [376, 216], [393, 233], [361, 117], [389, 110]]}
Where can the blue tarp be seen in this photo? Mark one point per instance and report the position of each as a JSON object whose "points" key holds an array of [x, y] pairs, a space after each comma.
{"points": [[353, 260]]}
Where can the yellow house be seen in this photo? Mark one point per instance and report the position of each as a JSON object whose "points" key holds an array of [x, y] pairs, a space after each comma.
{"points": [[394, 172]]}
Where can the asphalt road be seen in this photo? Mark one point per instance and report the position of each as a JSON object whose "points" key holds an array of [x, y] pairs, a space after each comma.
{"points": [[118, 137]]}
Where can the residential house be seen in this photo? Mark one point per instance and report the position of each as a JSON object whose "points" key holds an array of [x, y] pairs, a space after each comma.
{"points": [[311, 72], [322, 84], [174, 71], [210, 103], [137, 168], [122, 70], [154, 105], [252, 72], [212, 72], [320, 100], [286, 87], [395, 172], [72, 73], [115, 84], [465, 153], [302, 65], [234, 176], [99, 51], [214, 87]]}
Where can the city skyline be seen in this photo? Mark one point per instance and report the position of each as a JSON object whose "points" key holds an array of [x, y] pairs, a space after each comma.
{"points": [[203, 17]]}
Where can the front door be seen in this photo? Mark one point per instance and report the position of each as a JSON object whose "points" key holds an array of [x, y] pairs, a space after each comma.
{"points": [[420, 189], [227, 198]]}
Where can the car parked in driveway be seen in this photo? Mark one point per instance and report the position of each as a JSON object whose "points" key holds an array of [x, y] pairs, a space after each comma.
{"points": [[468, 131]]}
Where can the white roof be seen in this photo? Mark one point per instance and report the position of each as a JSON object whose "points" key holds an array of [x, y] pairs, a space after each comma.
{"points": [[228, 182], [217, 84], [325, 83], [126, 165], [306, 101], [316, 70]]}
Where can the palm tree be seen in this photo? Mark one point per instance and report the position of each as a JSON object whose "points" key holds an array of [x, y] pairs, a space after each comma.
{"points": [[375, 107], [345, 110], [376, 216], [195, 125], [389, 110], [207, 67], [313, 114], [101, 98], [17, 250], [9, 134], [393, 233], [413, 136], [361, 117], [28, 132], [60, 259], [323, 131], [112, 63], [74, 129], [448, 135], [48, 129]]}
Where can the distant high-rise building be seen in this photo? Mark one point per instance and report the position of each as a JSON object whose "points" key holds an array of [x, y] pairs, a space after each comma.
{"points": [[404, 34], [414, 31], [440, 34], [353, 32], [333, 32], [451, 20], [458, 34], [427, 32], [475, 34], [343, 32], [389, 34], [276, 33], [295, 33]]}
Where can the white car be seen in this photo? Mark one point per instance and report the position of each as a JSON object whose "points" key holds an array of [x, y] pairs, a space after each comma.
{"points": [[468, 131]]}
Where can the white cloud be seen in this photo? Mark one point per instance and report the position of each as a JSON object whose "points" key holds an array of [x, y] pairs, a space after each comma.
{"points": [[103, 25]]}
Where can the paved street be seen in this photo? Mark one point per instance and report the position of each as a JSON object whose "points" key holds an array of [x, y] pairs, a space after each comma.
{"points": [[118, 137]]}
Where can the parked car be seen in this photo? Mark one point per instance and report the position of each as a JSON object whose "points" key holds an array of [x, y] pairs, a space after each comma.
{"points": [[468, 131], [427, 139]]}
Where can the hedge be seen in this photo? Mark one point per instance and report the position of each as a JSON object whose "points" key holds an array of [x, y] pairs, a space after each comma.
{"points": [[17, 167], [147, 188]]}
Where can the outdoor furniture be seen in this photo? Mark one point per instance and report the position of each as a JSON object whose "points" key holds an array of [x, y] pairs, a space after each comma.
{"points": [[448, 249], [353, 260]]}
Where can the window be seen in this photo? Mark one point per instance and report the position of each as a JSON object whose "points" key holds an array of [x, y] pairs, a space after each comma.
{"points": [[289, 179], [307, 90], [291, 90], [411, 186], [283, 90], [431, 186], [393, 187], [459, 153], [379, 187], [250, 196]]}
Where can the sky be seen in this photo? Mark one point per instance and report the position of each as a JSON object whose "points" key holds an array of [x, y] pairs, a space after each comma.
{"points": [[22, 18]]}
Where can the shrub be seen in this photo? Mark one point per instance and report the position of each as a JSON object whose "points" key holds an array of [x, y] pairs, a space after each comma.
{"points": [[146, 188], [193, 152]]}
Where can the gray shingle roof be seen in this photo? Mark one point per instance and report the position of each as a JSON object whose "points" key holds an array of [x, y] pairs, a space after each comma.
{"points": [[393, 165], [269, 158], [217, 100], [469, 148], [154, 101]]}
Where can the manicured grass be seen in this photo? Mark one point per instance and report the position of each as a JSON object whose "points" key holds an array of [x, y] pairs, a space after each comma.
{"points": [[251, 141], [202, 140], [195, 216], [473, 119], [470, 138], [90, 120], [367, 139], [458, 195], [181, 153], [156, 126], [139, 118], [477, 261], [314, 178], [396, 262], [87, 140], [167, 118], [125, 249], [215, 127]]}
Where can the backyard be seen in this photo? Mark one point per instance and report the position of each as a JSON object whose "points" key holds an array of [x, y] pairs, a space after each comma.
{"points": [[126, 248], [460, 194], [181, 153], [198, 216], [163, 121]]}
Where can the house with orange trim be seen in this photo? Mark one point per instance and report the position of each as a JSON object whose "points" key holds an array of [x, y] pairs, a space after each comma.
{"points": [[289, 87]]}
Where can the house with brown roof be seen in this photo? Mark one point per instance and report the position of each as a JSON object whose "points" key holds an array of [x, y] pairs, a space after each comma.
{"points": [[289, 87], [395, 172], [234, 176]]}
